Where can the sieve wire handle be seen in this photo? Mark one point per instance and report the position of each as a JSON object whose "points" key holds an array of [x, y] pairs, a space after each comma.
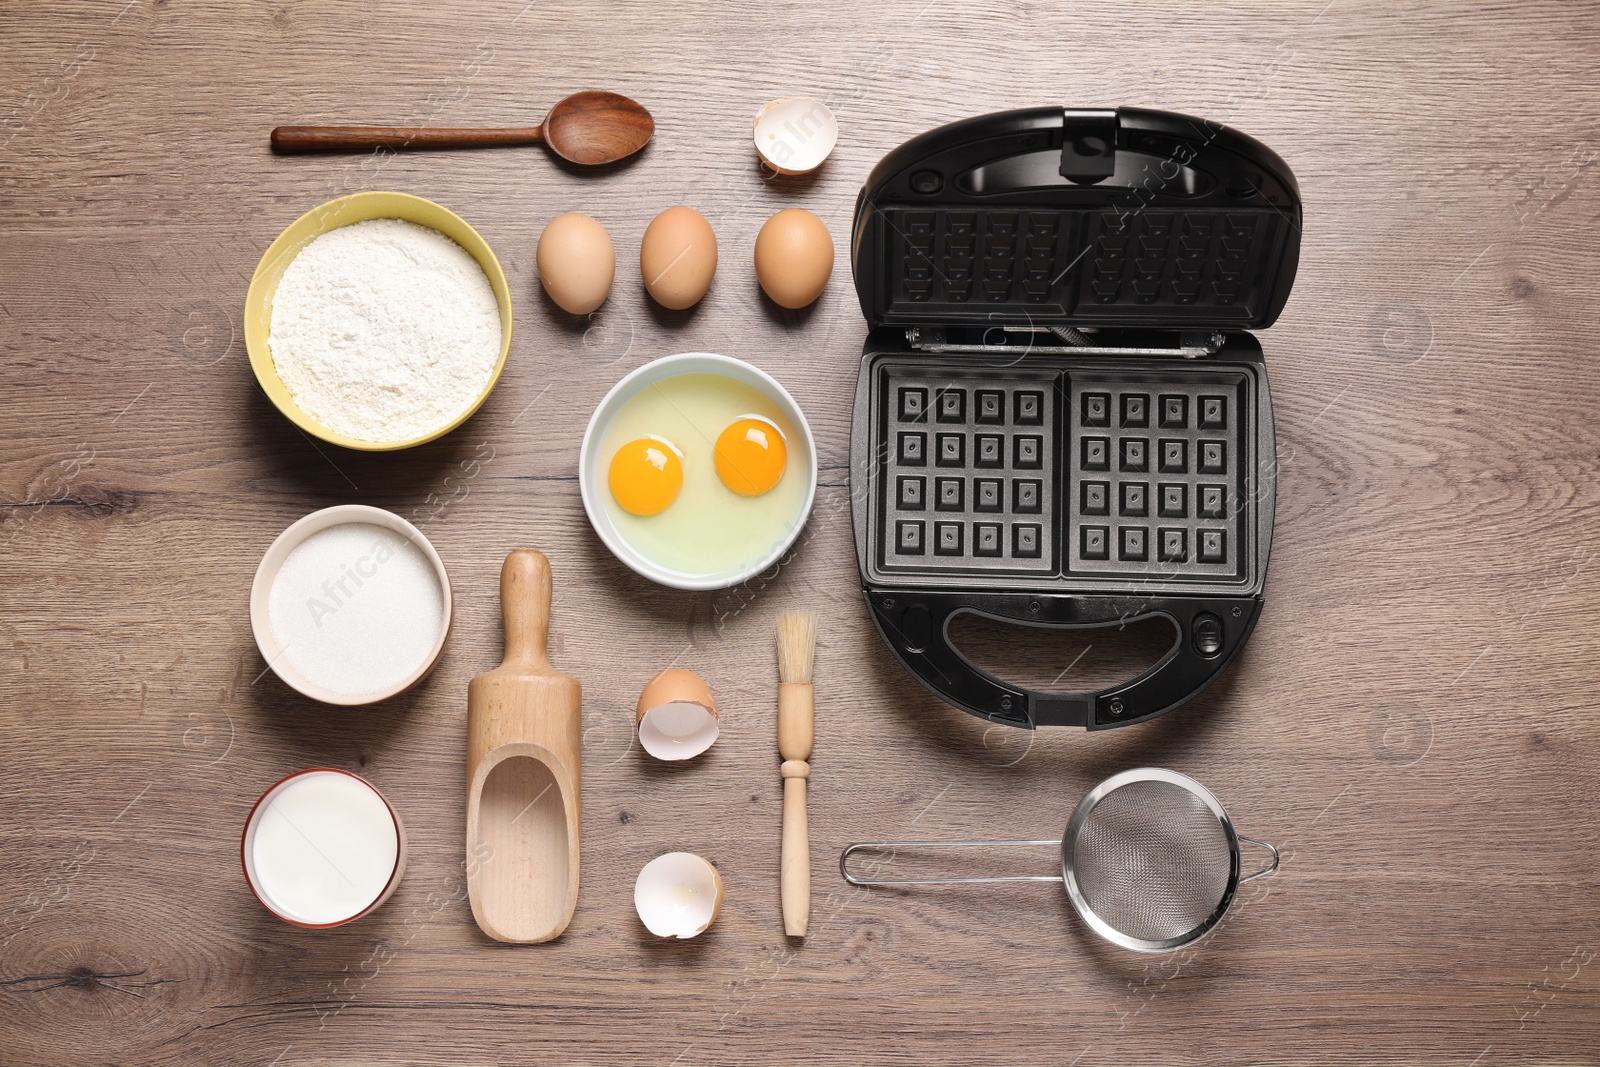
{"points": [[1269, 868], [889, 847]]}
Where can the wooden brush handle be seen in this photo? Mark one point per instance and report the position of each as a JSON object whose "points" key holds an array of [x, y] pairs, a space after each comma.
{"points": [[796, 729], [525, 605], [794, 867], [356, 138]]}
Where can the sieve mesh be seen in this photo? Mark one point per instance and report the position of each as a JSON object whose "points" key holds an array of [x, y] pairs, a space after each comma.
{"points": [[1152, 860]]}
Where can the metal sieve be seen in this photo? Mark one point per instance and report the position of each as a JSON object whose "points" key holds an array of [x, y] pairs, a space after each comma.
{"points": [[1149, 859]]}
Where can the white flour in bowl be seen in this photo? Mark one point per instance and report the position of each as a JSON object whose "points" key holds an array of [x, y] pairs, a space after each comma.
{"points": [[384, 330]]}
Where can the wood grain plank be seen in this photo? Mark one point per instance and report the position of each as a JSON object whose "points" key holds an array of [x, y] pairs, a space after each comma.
{"points": [[1413, 721]]}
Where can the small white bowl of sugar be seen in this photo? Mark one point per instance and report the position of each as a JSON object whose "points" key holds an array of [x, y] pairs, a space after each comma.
{"points": [[351, 605]]}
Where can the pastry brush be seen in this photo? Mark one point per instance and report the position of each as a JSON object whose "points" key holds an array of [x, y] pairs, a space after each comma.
{"points": [[797, 642]]}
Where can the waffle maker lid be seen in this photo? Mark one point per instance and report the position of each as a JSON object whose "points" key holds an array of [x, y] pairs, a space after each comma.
{"points": [[1082, 218]]}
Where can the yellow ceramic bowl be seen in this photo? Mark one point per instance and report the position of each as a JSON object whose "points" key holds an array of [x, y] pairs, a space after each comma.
{"points": [[358, 207]]}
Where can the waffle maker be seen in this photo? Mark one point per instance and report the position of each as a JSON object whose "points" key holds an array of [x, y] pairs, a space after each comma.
{"points": [[1061, 420]]}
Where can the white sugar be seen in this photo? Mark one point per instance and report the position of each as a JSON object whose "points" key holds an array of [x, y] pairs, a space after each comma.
{"points": [[356, 608]]}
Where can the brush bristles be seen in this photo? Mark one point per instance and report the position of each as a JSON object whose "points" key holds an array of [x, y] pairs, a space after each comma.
{"points": [[797, 645]]}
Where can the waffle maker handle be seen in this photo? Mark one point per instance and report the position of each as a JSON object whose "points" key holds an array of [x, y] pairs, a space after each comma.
{"points": [[1211, 630]]}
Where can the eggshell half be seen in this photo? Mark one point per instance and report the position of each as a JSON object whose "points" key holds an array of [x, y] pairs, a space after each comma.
{"points": [[678, 895], [677, 716], [795, 135]]}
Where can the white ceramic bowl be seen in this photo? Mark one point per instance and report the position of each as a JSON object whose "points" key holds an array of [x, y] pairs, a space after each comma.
{"points": [[272, 562], [592, 474]]}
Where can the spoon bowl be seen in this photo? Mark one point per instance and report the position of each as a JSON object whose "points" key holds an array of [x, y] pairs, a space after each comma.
{"points": [[593, 128]]}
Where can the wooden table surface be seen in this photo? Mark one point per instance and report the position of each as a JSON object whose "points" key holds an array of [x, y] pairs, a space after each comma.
{"points": [[1414, 722]]}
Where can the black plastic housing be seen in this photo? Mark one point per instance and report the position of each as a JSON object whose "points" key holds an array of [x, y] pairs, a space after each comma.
{"points": [[1142, 239]]}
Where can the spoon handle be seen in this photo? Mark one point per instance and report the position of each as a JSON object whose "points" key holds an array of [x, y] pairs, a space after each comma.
{"points": [[355, 138]]}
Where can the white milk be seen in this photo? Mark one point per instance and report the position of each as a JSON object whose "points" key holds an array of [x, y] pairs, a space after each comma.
{"points": [[323, 848]]}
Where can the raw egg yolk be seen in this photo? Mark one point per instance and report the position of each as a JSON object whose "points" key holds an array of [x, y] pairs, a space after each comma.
{"points": [[751, 456], [645, 476]]}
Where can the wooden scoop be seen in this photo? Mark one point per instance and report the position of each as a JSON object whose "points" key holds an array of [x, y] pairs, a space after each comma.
{"points": [[524, 749], [588, 128]]}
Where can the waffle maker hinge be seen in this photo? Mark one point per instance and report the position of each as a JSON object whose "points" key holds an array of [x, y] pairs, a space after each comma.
{"points": [[1059, 341]]}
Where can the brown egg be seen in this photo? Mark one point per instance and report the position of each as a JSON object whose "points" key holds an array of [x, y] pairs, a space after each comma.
{"points": [[677, 257], [576, 262], [794, 257]]}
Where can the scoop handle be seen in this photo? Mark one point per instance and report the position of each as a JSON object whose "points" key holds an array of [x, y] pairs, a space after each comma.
{"points": [[358, 138], [525, 605]]}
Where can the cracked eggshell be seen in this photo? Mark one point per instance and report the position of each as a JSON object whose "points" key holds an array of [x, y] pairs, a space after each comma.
{"points": [[678, 895], [794, 135], [677, 717]]}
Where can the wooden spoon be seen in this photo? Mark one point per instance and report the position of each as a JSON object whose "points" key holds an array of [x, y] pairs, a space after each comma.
{"points": [[589, 128], [524, 752]]}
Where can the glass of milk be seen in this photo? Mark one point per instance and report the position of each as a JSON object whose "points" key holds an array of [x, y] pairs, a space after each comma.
{"points": [[323, 848]]}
